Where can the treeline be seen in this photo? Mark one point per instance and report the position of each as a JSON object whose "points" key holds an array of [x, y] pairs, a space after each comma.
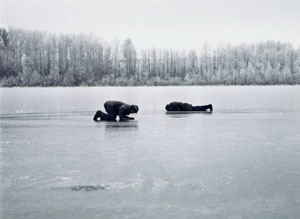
{"points": [[35, 58]]}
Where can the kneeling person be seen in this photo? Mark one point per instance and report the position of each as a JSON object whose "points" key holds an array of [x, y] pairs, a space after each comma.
{"points": [[179, 106], [114, 109]]}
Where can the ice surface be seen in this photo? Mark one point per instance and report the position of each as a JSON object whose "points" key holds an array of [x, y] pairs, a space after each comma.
{"points": [[241, 161]]}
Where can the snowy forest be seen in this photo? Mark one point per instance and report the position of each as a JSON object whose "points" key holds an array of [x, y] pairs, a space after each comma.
{"points": [[36, 58]]}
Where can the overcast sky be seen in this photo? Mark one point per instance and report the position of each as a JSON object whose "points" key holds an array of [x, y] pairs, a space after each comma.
{"points": [[161, 23]]}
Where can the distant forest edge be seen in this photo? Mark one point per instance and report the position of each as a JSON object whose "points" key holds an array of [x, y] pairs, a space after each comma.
{"points": [[35, 58]]}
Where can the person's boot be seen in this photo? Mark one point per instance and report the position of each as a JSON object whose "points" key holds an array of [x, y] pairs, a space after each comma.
{"points": [[210, 107], [97, 115]]}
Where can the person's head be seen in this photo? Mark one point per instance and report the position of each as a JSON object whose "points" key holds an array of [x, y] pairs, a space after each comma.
{"points": [[134, 109]]}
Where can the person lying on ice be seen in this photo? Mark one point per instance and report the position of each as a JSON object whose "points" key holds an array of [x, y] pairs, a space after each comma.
{"points": [[178, 106], [114, 109]]}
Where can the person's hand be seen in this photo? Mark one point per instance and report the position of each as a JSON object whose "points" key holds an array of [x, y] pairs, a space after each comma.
{"points": [[127, 117]]}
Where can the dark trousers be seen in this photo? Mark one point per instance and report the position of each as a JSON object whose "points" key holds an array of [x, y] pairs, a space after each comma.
{"points": [[202, 108], [104, 116]]}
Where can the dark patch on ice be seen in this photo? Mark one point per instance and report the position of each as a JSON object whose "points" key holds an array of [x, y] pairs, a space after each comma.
{"points": [[85, 188]]}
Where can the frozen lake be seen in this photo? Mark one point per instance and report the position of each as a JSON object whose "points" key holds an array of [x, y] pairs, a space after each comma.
{"points": [[241, 161]]}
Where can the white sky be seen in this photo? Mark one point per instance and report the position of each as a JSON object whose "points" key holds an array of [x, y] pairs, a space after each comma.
{"points": [[161, 23]]}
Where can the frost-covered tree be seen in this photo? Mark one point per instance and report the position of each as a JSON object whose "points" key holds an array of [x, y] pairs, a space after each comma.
{"points": [[129, 58], [35, 58]]}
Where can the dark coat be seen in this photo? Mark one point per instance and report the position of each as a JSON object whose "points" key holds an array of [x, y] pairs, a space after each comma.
{"points": [[117, 108], [179, 106]]}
